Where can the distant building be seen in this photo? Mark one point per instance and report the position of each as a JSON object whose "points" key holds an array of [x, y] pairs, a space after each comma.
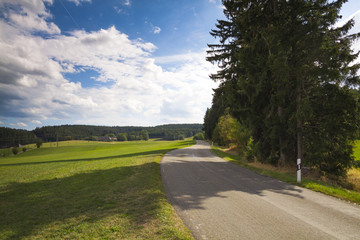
{"points": [[107, 139]]}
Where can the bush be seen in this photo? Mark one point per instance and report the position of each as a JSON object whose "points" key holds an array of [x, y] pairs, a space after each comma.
{"points": [[122, 137], [356, 164], [24, 149], [15, 150], [250, 151], [229, 132], [199, 136], [39, 142]]}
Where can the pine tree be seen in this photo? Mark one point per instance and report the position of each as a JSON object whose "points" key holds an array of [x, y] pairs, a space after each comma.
{"points": [[278, 59]]}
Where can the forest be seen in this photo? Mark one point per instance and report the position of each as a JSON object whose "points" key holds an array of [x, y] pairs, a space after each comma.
{"points": [[12, 137], [288, 84]]}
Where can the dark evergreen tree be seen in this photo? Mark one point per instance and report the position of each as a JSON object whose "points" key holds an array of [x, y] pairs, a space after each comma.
{"points": [[278, 59], [213, 114]]}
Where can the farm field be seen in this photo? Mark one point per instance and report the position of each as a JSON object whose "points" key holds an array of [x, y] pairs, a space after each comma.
{"points": [[88, 190]]}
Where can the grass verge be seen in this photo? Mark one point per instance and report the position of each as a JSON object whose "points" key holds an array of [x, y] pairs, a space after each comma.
{"points": [[88, 190], [290, 177]]}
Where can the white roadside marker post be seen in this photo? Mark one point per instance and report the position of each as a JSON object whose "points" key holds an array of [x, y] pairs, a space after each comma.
{"points": [[299, 170]]}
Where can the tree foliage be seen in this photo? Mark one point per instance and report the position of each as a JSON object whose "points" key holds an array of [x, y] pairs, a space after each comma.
{"points": [[13, 137], [286, 73], [38, 142], [199, 136], [15, 150], [213, 114]]}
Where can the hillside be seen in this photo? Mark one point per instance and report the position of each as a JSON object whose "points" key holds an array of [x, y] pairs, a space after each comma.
{"points": [[11, 137]]}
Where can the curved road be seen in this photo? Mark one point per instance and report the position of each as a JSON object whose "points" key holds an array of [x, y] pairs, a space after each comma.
{"points": [[220, 200]]}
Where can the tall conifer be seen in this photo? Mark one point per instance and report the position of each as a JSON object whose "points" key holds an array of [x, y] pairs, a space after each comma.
{"points": [[287, 69]]}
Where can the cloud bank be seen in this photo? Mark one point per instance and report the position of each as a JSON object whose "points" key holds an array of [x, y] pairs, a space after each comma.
{"points": [[133, 88]]}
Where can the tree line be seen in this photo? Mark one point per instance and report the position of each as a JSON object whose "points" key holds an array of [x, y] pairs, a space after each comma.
{"points": [[288, 83], [12, 137]]}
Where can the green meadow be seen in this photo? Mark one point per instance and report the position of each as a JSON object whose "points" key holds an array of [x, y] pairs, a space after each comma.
{"points": [[88, 190]]}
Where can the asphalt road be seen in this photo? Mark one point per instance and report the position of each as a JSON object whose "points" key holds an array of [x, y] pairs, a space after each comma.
{"points": [[220, 200]]}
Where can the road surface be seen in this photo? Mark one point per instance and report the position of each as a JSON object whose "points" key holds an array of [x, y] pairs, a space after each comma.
{"points": [[220, 200]]}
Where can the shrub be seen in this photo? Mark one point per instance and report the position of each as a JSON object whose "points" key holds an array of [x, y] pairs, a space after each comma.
{"points": [[39, 142], [250, 151], [199, 136], [122, 137], [15, 150]]}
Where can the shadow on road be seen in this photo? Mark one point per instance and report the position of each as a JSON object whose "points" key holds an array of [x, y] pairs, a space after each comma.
{"points": [[193, 174]]}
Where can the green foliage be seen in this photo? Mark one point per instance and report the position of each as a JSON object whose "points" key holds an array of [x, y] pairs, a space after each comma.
{"points": [[226, 131], [213, 114], [12, 137], [329, 144], [145, 135], [112, 135], [199, 136], [122, 137], [24, 149], [15, 150], [229, 131], [286, 74], [80, 132], [250, 152], [38, 142]]}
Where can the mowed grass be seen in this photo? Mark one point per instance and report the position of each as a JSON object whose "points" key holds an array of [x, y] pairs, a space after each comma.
{"points": [[88, 190]]}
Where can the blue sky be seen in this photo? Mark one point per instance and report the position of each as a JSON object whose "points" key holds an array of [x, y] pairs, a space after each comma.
{"points": [[108, 62]]}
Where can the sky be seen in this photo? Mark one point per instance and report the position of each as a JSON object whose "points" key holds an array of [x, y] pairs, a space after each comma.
{"points": [[109, 62]]}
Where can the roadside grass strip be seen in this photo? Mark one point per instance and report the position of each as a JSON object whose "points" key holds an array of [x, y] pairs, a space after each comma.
{"points": [[88, 190], [289, 177]]}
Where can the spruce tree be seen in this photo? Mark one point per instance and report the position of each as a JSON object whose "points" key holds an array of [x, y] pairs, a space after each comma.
{"points": [[281, 60]]}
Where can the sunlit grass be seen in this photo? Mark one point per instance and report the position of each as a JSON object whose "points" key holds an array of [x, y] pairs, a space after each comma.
{"points": [[88, 190], [357, 150]]}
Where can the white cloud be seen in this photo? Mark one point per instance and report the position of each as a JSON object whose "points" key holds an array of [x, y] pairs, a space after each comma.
{"points": [[36, 122], [19, 124], [2, 123], [127, 2], [156, 30], [134, 88], [31, 16], [117, 9], [78, 2]]}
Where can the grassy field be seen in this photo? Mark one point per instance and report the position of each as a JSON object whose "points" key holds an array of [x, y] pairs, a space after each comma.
{"points": [[289, 176], [88, 190]]}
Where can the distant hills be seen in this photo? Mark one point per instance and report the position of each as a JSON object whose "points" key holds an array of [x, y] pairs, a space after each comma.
{"points": [[12, 137]]}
